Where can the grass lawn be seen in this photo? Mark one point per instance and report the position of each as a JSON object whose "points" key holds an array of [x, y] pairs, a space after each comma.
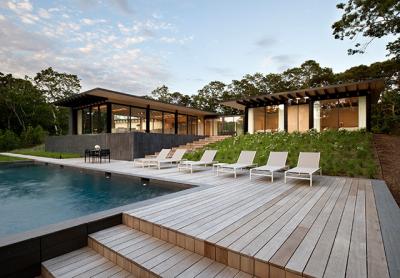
{"points": [[39, 151], [343, 153], [5, 158]]}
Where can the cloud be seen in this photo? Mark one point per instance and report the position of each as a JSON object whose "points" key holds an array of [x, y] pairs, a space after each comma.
{"points": [[278, 62], [44, 13], [265, 41], [88, 21], [123, 6], [222, 71], [182, 41], [20, 6]]}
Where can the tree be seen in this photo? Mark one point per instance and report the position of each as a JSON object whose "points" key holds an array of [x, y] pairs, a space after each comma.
{"points": [[55, 86], [209, 97], [163, 94], [22, 105], [372, 19]]}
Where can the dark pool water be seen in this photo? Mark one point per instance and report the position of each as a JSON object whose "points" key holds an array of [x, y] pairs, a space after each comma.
{"points": [[34, 195]]}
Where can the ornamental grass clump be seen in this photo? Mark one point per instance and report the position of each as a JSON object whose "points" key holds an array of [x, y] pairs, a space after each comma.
{"points": [[343, 153]]}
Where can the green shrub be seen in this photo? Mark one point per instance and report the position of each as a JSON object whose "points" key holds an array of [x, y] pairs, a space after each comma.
{"points": [[33, 136], [8, 140], [343, 153]]}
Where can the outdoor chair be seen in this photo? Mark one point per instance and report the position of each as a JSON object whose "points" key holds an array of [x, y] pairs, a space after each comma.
{"points": [[307, 165], [206, 159], [276, 162], [244, 161], [146, 161], [176, 158]]}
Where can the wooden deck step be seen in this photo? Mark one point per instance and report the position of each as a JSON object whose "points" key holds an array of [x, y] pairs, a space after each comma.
{"points": [[84, 262], [147, 256]]}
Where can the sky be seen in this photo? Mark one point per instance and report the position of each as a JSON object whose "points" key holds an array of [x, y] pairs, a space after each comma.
{"points": [[135, 46]]}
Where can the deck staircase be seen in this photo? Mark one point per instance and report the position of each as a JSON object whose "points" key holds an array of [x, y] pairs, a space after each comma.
{"points": [[122, 251]]}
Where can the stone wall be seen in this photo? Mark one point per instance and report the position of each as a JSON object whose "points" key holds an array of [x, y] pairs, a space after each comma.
{"points": [[123, 146]]}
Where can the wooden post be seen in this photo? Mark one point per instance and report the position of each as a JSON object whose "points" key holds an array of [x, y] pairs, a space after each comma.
{"points": [[176, 121], [285, 116], [148, 119], [246, 120], [369, 110], [109, 117], [311, 114]]}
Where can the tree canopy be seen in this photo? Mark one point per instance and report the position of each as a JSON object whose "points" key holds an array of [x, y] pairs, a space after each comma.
{"points": [[371, 19]]}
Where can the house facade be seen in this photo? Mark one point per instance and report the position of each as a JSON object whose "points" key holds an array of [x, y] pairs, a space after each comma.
{"points": [[338, 107], [100, 111]]}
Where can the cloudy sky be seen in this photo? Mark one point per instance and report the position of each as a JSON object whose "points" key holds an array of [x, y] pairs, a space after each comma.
{"points": [[135, 46]]}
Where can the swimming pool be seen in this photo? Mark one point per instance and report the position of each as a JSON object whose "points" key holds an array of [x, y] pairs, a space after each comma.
{"points": [[33, 195]]}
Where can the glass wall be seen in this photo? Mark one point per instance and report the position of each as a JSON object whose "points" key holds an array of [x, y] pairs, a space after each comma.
{"points": [[126, 118], [99, 119], [182, 124], [266, 119], [169, 123], [226, 125], [86, 121], [298, 118], [339, 113], [259, 120], [156, 121], [192, 125], [120, 118], [271, 118], [138, 119]]}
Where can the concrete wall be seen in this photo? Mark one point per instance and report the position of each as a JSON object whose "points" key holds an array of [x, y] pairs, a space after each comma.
{"points": [[250, 127], [123, 146], [362, 112]]}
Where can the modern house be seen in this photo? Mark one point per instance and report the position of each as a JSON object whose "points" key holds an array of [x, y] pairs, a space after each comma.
{"points": [[104, 111], [343, 106], [134, 126]]}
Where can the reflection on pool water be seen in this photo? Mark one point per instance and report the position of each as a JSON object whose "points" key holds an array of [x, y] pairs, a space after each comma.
{"points": [[34, 195]]}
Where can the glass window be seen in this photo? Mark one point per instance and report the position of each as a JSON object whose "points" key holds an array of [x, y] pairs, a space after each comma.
{"points": [[339, 113], [348, 113], [239, 125], [192, 126], [86, 121], [120, 118], [156, 122], [169, 123], [209, 127], [271, 118], [182, 124], [298, 117], [259, 119], [99, 119], [138, 119]]}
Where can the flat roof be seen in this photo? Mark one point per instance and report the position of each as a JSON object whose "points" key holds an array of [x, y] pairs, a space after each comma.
{"points": [[101, 95], [322, 92]]}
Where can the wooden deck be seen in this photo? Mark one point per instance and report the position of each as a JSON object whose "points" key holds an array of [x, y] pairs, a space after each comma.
{"points": [[340, 227]]}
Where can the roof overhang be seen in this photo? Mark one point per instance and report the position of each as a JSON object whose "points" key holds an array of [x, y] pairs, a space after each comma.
{"points": [[373, 87], [99, 95]]}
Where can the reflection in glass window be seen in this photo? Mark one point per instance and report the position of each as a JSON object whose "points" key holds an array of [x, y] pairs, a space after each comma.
{"points": [[99, 119], [138, 119], [120, 118], [182, 124], [298, 118], [156, 121], [192, 125], [86, 121], [339, 113], [169, 123]]}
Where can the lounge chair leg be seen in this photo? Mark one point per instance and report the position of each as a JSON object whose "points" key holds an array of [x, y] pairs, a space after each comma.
{"points": [[191, 169], [310, 180], [234, 171], [272, 177], [285, 177]]}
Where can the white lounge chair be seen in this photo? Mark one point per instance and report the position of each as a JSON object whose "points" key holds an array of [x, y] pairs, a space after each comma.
{"points": [[244, 161], [276, 162], [176, 158], [206, 159], [146, 161], [307, 165]]}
